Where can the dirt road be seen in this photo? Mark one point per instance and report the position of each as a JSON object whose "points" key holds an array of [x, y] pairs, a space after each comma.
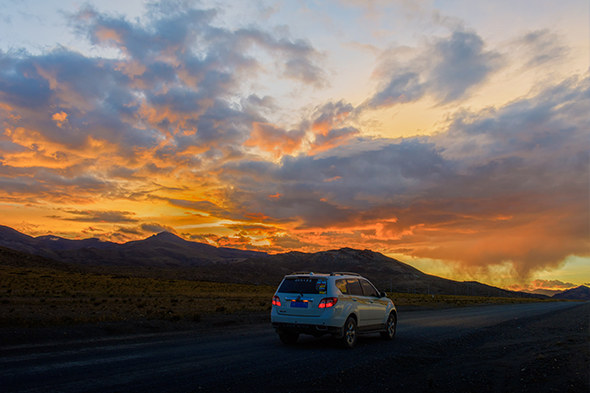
{"points": [[528, 347]]}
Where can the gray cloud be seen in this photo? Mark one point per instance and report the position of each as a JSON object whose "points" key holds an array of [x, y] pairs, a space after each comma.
{"points": [[156, 228], [126, 233], [462, 64], [516, 172], [405, 86], [331, 113], [541, 47], [205, 207], [170, 106], [20, 84], [61, 186], [298, 59], [330, 125], [255, 106], [448, 69], [167, 96], [104, 216], [178, 62]]}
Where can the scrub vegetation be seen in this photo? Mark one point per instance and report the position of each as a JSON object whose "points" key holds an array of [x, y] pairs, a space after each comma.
{"points": [[407, 301], [43, 297]]}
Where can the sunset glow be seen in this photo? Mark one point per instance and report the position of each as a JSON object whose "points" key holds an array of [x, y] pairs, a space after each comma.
{"points": [[453, 137]]}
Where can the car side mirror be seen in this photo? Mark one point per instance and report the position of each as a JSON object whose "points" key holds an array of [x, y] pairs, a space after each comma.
{"points": [[382, 294]]}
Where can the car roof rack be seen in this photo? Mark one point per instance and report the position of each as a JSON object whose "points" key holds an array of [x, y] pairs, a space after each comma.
{"points": [[295, 273], [344, 274]]}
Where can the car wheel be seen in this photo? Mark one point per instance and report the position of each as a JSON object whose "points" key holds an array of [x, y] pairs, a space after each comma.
{"points": [[350, 333], [391, 327], [288, 338]]}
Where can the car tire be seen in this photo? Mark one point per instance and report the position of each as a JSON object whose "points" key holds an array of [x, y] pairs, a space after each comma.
{"points": [[391, 327], [350, 335], [288, 338]]}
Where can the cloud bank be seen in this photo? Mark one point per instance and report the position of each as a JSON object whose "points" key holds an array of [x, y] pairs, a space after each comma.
{"points": [[167, 123]]}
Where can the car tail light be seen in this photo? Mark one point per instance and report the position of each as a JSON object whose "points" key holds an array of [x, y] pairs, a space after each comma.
{"points": [[328, 302], [276, 301]]}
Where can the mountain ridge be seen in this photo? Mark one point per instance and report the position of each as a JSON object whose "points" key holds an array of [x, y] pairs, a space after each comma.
{"points": [[166, 254], [159, 250], [581, 292]]}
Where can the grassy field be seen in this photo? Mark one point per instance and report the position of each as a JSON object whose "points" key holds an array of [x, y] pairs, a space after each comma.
{"points": [[439, 301], [38, 297]]}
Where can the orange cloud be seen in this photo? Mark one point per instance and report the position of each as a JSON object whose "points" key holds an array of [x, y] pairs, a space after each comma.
{"points": [[527, 242], [133, 68], [546, 287], [60, 118], [105, 35], [165, 130], [257, 217], [331, 127], [166, 119], [275, 140], [551, 284]]}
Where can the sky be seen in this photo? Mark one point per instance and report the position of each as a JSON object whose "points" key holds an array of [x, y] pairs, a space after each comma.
{"points": [[452, 135]]}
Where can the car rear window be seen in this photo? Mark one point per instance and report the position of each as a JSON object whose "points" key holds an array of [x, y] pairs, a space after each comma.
{"points": [[303, 285]]}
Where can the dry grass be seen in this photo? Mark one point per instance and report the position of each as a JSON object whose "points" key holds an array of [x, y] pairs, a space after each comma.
{"points": [[422, 300], [39, 297]]}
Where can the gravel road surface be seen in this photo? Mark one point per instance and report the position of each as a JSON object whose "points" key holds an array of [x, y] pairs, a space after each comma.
{"points": [[537, 347]]}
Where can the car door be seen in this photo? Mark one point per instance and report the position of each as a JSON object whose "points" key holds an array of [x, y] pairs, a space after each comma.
{"points": [[357, 295], [376, 307]]}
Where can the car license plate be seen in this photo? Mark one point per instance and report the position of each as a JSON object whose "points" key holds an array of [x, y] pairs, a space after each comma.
{"points": [[299, 304]]}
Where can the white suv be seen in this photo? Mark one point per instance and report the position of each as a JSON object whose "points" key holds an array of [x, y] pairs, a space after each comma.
{"points": [[341, 304]]}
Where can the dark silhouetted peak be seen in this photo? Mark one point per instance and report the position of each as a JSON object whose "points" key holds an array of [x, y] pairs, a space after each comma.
{"points": [[162, 237], [168, 236], [13, 234]]}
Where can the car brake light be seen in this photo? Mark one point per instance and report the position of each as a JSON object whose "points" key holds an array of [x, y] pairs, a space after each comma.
{"points": [[328, 302], [276, 301]]}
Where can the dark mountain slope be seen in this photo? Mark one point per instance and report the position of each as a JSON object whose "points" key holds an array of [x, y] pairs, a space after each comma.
{"points": [[13, 258], [166, 255], [386, 273], [15, 240], [580, 293], [161, 250]]}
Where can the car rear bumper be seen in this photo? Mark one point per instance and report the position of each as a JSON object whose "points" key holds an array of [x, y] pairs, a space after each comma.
{"points": [[330, 322], [304, 328]]}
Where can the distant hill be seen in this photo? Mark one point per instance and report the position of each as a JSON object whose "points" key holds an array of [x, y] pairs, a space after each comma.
{"points": [[546, 292], [161, 250], [13, 258], [386, 273], [166, 255], [580, 293]]}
